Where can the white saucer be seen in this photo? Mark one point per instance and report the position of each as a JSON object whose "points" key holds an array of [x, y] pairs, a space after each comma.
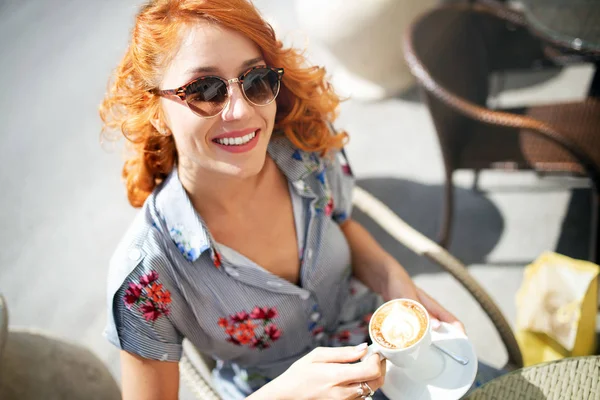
{"points": [[454, 380]]}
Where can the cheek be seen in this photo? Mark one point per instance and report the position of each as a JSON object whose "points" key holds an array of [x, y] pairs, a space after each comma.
{"points": [[186, 126], [268, 114]]}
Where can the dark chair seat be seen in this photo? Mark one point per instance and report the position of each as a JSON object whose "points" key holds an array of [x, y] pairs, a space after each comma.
{"points": [[505, 147]]}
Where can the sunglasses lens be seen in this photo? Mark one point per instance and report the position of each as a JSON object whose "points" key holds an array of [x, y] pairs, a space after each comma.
{"points": [[207, 96], [261, 86]]}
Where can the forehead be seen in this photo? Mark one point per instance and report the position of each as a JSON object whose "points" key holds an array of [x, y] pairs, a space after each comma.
{"points": [[207, 44]]}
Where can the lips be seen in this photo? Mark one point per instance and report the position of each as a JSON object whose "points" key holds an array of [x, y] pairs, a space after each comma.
{"points": [[238, 141]]}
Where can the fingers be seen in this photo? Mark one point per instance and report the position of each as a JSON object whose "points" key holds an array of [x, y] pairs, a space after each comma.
{"points": [[364, 371], [437, 312], [377, 383], [354, 390], [338, 354]]}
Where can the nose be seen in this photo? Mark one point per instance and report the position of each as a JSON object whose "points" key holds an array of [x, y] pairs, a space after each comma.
{"points": [[237, 107]]}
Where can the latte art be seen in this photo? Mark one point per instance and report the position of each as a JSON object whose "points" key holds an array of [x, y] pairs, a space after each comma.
{"points": [[399, 324]]}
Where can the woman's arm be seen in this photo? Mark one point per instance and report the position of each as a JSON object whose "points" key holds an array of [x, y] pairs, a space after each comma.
{"points": [[374, 266], [146, 379], [381, 273]]}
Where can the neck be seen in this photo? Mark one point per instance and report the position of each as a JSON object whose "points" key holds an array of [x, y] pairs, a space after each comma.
{"points": [[213, 192]]}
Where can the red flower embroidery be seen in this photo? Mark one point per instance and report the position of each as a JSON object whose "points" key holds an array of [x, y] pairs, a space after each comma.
{"points": [[317, 330], [151, 297], [245, 337], [216, 259], [255, 329], [230, 330], [273, 332], [150, 311], [329, 207], [239, 317], [343, 336], [149, 278], [132, 295], [346, 169], [265, 313], [223, 323]]}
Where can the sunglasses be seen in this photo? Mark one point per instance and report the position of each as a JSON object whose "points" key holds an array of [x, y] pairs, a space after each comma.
{"points": [[207, 96]]}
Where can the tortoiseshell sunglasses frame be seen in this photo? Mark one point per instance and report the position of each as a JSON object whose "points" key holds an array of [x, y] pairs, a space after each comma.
{"points": [[180, 91]]}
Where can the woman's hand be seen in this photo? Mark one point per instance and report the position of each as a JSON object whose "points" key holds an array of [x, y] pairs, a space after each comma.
{"points": [[437, 312], [404, 287], [324, 373]]}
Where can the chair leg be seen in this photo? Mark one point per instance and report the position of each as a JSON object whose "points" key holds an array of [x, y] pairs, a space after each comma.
{"points": [[447, 212], [594, 234], [476, 187]]}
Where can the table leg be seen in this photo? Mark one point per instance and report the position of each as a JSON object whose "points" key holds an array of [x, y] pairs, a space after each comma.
{"points": [[595, 85]]}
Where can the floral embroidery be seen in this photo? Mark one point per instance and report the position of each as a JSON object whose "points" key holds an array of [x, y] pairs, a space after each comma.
{"points": [[216, 259], [241, 328], [317, 330], [311, 164], [188, 247], [343, 336], [344, 164], [153, 300], [321, 176]]}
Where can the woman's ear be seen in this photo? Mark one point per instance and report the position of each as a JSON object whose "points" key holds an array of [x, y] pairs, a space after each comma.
{"points": [[160, 126]]}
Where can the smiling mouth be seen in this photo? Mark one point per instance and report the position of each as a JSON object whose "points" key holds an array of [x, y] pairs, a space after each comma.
{"points": [[237, 141]]}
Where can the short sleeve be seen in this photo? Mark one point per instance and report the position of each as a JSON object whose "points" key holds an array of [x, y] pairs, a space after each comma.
{"points": [[341, 181], [140, 313]]}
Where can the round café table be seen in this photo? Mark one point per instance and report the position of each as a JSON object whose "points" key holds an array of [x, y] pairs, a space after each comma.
{"points": [[571, 25], [575, 378]]}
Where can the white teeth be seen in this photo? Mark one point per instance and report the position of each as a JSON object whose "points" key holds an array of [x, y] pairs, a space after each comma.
{"points": [[238, 140]]}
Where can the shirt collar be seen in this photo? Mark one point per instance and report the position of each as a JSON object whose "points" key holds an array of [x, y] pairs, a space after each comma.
{"points": [[185, 226], [182, 221], [297, 165]]}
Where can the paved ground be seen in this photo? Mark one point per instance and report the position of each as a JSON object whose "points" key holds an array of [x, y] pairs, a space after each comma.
{"points": [[63, 207]]}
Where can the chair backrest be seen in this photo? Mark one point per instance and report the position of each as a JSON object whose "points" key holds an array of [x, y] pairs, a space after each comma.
{"points": [[459, 45], [449, 44]]}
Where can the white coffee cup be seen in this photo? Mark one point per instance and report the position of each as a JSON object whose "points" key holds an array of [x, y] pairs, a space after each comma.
{"points": [[419, 361]]}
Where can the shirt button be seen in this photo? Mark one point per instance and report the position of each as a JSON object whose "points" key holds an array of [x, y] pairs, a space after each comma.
{"points": [[319, 335], [135, 254], [309, 254], [274, 284], [304, 295], [232, 272], [315, 316]]}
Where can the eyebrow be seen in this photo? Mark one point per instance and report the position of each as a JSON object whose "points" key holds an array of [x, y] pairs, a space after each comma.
{"points": [[245, 64]]}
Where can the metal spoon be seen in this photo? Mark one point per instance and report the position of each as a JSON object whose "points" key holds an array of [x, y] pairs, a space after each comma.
{"points": [[458, 359]]}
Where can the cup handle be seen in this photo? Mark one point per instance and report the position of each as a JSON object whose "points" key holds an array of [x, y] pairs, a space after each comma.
{"points": [[372, 349]]}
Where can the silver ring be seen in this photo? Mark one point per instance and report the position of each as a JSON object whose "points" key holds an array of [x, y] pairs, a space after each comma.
{"points": [[360, 391], [371, 392]]}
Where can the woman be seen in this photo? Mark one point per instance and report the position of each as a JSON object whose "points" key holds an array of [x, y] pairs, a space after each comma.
{"points": [[244, 244]]}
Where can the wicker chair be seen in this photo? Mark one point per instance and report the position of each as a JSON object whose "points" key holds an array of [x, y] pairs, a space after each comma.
{"points": [[195, 367], [452, 50]]}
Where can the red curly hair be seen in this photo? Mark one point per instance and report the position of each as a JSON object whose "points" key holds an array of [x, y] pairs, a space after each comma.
{"points": [[305, 103]]}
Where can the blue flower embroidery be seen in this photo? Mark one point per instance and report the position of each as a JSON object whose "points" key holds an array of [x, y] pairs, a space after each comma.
{"points": [[186, 246]]}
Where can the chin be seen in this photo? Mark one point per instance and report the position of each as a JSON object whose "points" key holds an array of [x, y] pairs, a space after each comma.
{"points": [[244, 170]]}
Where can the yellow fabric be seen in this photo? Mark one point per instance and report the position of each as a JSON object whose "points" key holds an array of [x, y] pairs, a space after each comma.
{"points": [[556, 309]]}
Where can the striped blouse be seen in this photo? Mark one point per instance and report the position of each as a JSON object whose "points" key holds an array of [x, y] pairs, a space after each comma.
{"points": [[169, 280]]}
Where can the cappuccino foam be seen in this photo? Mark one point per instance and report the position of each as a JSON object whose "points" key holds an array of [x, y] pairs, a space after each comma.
{"points": [[399, 324]]}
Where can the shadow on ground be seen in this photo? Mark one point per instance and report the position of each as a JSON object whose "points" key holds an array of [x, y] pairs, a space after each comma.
{"points": [[420, 206], [478, 224]]}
